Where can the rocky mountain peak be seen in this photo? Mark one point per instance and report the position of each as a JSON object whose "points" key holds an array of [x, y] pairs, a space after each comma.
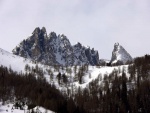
{"points": [[120, 55], [43, 29], [116, 46], [79, 45], [55, 50], [63, 36], [64, 39], [36, 31]]}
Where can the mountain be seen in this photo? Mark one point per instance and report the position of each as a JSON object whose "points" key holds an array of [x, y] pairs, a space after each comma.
{"points": [[94, 81], [55, 50], [120, 55], [92, 78], [18, 64]]}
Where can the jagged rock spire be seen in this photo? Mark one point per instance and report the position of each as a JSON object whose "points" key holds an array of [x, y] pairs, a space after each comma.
{"points": [[55, 50], [119, 54]]}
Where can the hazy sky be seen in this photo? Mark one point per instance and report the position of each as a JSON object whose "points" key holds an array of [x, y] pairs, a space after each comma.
{"points": [[96, 23]]}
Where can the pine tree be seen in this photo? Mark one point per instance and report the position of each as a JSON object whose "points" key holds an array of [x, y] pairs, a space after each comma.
{"points": [[65, 79], [59, 78]]}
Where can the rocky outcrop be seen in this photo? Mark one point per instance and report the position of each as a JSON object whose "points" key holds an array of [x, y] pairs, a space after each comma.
{"points": [[55, 50], [120, 55]]}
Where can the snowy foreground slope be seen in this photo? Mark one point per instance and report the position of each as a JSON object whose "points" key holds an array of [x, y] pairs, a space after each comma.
{"points": [[8, 109], [15, 62], [18, 64]]}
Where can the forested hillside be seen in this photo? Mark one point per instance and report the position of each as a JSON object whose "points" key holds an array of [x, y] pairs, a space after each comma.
{"points": [[118, 93]]}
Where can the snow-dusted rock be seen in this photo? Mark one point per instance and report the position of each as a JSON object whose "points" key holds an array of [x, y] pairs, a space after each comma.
{"points": [[103, 62], [55, 50], [120, 55]]}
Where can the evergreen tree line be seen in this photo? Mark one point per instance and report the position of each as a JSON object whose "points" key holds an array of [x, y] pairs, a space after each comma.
{"points": [[116, 93], [30, 90]]}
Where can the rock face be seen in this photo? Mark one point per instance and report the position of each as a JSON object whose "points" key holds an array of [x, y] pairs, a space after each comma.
{"points": [[55, 50], [104, 62], [120, 55]]}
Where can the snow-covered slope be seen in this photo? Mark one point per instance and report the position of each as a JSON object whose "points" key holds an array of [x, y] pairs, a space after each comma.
{"points": [[18, 64], [7, 108], [101, 72], [55, 50], [120, 55]]}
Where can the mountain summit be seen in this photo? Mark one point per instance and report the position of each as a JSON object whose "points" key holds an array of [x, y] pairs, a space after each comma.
{"points": [[120, 55], [55, 50]]}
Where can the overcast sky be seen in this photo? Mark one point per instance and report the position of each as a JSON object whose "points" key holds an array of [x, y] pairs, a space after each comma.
{"points": [[95, 23]]}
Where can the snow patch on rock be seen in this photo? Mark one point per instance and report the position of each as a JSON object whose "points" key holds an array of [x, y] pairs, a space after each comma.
{"points": [[120, 54]]}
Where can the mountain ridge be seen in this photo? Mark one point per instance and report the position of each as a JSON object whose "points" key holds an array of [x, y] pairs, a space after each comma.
{"points": [[55, 50]]}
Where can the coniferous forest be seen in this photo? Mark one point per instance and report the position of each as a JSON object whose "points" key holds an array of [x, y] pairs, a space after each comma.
{"points": [[118, 94]]}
